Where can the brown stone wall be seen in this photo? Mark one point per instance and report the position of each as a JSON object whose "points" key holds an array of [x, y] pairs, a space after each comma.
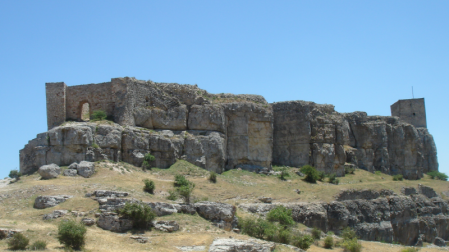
{"points": [[56, 103], [99, 96], [412, 111]]}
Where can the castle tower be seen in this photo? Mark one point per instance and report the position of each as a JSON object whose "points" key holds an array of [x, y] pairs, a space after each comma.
{"points": [[56, 103], [412, 111]]}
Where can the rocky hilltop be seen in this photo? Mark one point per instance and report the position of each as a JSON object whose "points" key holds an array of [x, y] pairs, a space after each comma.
{"points": [[221, 131]]}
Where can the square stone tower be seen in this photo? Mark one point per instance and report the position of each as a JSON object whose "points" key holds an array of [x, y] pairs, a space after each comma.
{"points": [[412, 111], [56, 103]]}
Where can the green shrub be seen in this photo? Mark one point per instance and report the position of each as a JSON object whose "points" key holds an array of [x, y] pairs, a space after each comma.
{"points": [[180, 180], [312, 175], [349, 170], [213, 177], [18, 242], [351, 245], [333, 179], [282, 215], [398, 177], [316, 233], [148, 158], [321, 175], [277, 233], [410, 250], [348, 234], [39, 245], [98, 115], [186, 191], [255, 227], [15, 174], [172, 195], [149, 186], [96, 146], [377, 172], [328, 242], [437, 175], [140, 214], [71, 234], [302, 241]]}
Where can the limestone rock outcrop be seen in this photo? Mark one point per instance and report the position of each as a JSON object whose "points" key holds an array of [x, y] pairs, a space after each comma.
{"points": [[42, 202], [221, 131], [391, 218], [234, 245]]}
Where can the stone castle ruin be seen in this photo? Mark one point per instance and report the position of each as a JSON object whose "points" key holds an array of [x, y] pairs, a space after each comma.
{"points": [[224, 131]]}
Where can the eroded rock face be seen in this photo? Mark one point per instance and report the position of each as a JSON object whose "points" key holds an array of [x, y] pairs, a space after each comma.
{"points": [[49, 171], [408, 220], [42, 202], [86, 169], [166, 226], [221, 213], [112, 222]]}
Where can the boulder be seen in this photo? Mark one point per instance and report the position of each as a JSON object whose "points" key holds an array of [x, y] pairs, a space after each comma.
{"points": [[55, 214], [162, 209], [215, 211], [86, 169], [234, 245], [139, 239], [439, 242], [8, 233], [266, 200], [42, 202], [88, 221], [427, 191], [112, 222], [408, 190], [70, 172], [107, 193], [73, 166], [166, 226], [49, 171]]}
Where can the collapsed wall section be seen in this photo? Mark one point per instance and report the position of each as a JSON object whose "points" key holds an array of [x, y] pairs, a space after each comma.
{"points": [[56, 103]]}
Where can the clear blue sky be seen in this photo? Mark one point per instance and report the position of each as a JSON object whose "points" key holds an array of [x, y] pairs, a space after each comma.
{"points": [[357, 55]]}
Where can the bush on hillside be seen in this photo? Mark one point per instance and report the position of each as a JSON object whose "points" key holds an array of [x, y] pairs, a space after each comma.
{"points": [[312, 175], [213, 177], [302, 241], [410, 250], [146, 161], [398, 177], [18, 242], [172, 195], [333, 179], [437, 175], [254, 227], [39, 245], [349, 170], [72, 234], [348, 234], [149, 186], [282, 215], [15, 174], [140, 214], [180, 180], [352, 245], [328, 242], [316, 233], [98, 115]]}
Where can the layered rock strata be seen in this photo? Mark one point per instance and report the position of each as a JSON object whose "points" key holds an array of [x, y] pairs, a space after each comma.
{"points": [[221, 131], [403, 219]]}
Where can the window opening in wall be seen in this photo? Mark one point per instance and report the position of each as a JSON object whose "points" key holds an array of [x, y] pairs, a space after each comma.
{"points": [[85, 112]]}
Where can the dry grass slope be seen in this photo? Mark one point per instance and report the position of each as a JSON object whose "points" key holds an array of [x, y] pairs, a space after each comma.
{"points": [[233, 187]]}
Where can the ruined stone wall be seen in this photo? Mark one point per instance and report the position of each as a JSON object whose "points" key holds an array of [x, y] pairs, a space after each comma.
{"points": [[98, 96], [412, 111], [56, 103]]}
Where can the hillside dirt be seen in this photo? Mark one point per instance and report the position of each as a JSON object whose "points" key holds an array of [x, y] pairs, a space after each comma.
{"points": [[232, 187]]}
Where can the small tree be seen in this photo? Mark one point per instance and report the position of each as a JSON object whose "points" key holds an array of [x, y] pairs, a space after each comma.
{"points": [[316, 233], [282, 215], [284, 173], [185, 192], [312, 175], [437, 175], [398, 177], [18, 242], [15, 174], [149, 186], [328, 242], [98, 115], [72, 234], [302, 241], [146, 161], [140, 214]]}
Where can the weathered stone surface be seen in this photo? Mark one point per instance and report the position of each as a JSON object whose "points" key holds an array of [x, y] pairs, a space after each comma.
{"points": [[215, 211], [88, 221], [112, 204], [70, 172], [234, 245], [107, 193], [266, 199], [42, 202], [427, 191], [166, 226], [140, 239], [55, 214], [207, 117], [112, 222], [408, 190], [73, 166], [49, 171], [86, 169], [8, 233], [366, 194], [162, 209]]}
